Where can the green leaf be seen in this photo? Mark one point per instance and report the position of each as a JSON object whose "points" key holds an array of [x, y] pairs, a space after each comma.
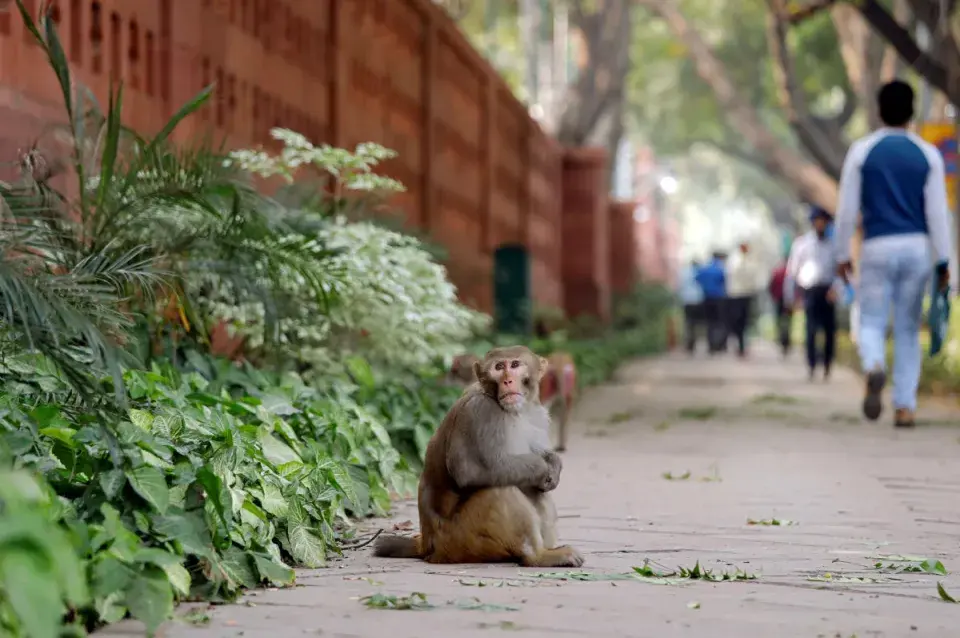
{"points": [[342, 481], [189, 530], [944, 595], [307, 549], [150, 598], [110, 575], [173, 122], [238, 566], [112, 482], [151, 484], [30, 588], [415, 601], [48, 415], [111, 145], [270, 570], [64, 435], [216, 493], [142, 419], [276, 451], [273, 501], [933, 567], [171, 564], [361, 372], [110, 609]]}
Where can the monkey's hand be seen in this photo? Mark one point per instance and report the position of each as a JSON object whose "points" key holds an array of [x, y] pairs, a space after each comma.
{"points": [[554, 465]]}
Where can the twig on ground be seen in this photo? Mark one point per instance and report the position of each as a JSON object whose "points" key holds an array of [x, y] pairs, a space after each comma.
{"points": [[364, 543]]}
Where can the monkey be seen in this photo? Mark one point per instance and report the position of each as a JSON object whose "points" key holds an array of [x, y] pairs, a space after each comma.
{"points": [[484, 494], [461, 370], [564, 371]]}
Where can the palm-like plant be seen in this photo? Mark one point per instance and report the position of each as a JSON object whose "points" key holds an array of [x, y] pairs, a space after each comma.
{"points": [[147, 215]]}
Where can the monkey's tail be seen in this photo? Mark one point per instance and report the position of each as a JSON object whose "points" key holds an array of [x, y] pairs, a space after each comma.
{"points": [[399, 547]]}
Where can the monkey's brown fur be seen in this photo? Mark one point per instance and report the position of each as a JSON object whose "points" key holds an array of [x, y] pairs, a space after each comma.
{"points": [[484, 492]]}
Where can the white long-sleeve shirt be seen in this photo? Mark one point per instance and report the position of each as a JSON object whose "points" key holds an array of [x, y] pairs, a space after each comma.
{"points": [[745, 276], [896, 180], [812, 262]]}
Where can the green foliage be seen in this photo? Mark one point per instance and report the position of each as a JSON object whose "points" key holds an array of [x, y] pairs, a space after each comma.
{"points": [[207, 484], [77, 272], [395, 305]]}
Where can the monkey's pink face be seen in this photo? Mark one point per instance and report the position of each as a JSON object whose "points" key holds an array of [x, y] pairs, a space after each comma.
{"points": [[513, 382]]}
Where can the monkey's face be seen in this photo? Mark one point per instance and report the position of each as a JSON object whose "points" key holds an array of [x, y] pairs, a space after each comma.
{"points": [[511, 376]]}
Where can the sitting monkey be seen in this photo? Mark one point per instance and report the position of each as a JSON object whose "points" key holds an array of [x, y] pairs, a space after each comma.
{"points": [[484, 492]]}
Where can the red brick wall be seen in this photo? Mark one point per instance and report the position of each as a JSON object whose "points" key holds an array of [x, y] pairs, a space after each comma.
{"points": [[659, 250], [624, 248], [479, 171], [586, 233]]}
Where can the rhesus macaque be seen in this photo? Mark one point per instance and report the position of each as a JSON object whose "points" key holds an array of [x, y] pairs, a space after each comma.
{"points": [[484, 494], [461, 371], [566, 386]]}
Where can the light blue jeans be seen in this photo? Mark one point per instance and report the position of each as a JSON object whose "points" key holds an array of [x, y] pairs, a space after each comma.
{"points": [[895, 273]]}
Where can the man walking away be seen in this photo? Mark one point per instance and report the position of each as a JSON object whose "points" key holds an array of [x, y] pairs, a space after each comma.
{"points": [[784, 311], [743, 282], [811, 267], [897, 183], [691, 296], [712, 280]]}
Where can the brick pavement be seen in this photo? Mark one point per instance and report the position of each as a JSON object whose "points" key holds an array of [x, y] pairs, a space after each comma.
{"points": [[773, 445]]}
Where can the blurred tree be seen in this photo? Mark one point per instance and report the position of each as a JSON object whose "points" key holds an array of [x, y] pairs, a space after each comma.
{"points": [[725, 94], [593, 112], [939, 64]]}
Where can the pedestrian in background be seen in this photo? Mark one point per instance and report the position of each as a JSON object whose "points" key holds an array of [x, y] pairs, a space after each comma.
{"points": [[897, 182], [691, 296], [712, 280], [743, 284], [783, 311], [811, 266]]}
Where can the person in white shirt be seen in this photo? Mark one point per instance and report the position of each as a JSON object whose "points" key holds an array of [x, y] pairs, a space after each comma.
{"points": [[896, 181], [744, 274], [811, 266]]}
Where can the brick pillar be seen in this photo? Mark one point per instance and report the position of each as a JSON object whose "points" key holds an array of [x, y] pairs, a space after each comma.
{"points": [[586, 239], [624, 248]]}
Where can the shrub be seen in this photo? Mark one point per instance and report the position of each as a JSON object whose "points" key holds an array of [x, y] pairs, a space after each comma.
{"points": [[77, 272], [203, 486], [395, 307]]}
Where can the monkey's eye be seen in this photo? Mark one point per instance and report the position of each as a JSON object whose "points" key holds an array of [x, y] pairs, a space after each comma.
{"points": [[514, 364], [498, 366]]}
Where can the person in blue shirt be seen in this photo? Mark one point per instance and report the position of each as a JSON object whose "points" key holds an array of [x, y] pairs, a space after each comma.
{"points": [[691, 296], [712, 280], [896, 181]]}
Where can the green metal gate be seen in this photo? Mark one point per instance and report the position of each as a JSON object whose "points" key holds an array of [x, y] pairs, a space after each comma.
{"points": [[511, 290]]}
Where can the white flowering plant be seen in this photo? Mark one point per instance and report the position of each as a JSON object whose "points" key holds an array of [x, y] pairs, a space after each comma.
{"points": [[351, 171], [395, 305]]}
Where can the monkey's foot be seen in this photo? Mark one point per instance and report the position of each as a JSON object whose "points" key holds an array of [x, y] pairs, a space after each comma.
{"points": [[564, 556]]}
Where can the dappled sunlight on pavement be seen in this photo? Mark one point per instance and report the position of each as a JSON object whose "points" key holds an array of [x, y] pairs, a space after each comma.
{"points": [[668, 463]]}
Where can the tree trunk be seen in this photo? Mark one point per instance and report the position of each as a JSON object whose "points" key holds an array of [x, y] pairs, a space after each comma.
{"points": [[856, 39], [808, 179], [823, 140], [593, 108], [941, 68]]}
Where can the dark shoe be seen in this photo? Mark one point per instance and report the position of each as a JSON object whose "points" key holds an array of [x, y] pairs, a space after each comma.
{"points": [[903, 418], [873, 400], [826, 374]]}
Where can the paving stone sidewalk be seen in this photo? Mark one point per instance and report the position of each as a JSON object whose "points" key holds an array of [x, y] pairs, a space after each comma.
{"points": [[759, 442]]}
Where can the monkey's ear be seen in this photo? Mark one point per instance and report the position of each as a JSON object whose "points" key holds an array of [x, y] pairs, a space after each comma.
{"points": [[544, 366], [477, 369]]}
